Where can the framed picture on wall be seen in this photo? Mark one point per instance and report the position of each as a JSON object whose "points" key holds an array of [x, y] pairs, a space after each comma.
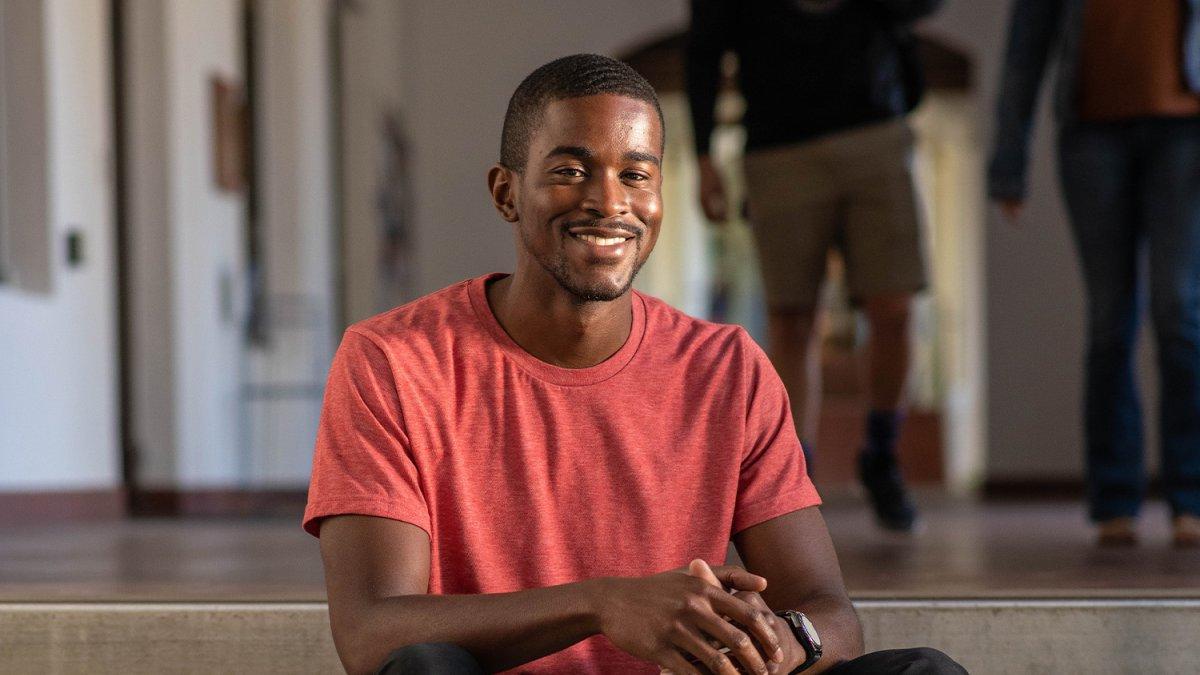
{"points": [[229, 134]]}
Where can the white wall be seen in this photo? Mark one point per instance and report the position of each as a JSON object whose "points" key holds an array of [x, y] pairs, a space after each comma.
{"points": [[278, 421], [206, 245], [187, 268], [372, 65], [151, 288], [195, 423], [58, 407]]}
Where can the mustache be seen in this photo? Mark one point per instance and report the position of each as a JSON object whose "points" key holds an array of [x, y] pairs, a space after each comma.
{"points": [[611, 223]]}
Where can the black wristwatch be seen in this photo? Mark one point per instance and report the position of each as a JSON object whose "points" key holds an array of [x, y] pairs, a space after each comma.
{"points": [[806, 635]]}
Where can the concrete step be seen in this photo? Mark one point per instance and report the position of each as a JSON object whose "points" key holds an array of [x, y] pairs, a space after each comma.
{"points": [[987, 636]]}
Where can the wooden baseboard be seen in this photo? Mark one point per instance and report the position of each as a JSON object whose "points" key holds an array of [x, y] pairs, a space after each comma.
{"points": [[60, 506], [218, 503], [1040, 489], [1066, 489], [36, 508]]}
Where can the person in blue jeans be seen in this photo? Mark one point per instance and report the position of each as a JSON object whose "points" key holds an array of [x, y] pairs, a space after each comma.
{"points": [[1128, 110]]}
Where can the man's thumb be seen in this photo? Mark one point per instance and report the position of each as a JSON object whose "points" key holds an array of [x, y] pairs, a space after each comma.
{"points": [[737, 578], [700, 569]]}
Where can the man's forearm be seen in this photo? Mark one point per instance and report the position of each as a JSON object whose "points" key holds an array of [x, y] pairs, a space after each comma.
{"points": [[501, 630]]}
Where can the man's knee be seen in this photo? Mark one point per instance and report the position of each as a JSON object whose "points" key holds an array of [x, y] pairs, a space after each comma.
{"points": [[794, 324], [431, 659], [890, 313]]}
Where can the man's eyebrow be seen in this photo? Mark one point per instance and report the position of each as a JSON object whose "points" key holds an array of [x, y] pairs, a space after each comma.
{"points": [[576, 151], [635, 156], [580, 152]]}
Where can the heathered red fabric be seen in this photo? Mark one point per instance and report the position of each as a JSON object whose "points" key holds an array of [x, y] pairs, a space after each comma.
{"points": [[527, 475]]}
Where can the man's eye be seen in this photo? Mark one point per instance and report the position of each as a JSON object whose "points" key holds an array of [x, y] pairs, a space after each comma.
{"points": [[571, 172], [635, 176]]}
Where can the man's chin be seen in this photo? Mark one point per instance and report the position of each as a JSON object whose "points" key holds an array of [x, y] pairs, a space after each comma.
{"points": [[598, 294], [596, 290]]}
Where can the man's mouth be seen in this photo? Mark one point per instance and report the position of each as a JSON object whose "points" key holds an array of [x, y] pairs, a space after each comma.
{"points": [[602, 241], [602, 232]]}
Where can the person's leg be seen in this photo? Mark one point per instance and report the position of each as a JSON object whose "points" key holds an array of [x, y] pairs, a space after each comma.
{"points": [[919, 661], [1171, 212], [889, 354], [430, 659], [794, 216], [1098, 184], [885, 267], [795, 350]]}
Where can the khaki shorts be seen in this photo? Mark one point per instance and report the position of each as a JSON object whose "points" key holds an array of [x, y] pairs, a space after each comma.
{"points": [[852, 190]]}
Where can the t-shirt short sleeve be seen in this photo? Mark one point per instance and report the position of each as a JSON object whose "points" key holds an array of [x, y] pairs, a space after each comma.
{"points": [[363, 462], [774, 478]]}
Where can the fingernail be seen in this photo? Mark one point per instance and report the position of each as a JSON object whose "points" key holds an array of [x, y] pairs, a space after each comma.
{"points": [[778, 655]]}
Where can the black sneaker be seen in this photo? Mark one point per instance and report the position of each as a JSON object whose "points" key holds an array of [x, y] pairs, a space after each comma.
{"points": [[881, 477]]}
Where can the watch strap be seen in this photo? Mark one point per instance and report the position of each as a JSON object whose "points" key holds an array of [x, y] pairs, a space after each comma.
{"points": [[811, 643]]}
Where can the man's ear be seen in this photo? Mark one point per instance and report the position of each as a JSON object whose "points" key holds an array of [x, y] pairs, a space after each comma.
{"points": [[502, 181]]}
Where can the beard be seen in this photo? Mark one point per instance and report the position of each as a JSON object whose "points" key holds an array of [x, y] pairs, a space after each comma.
{"points": [[582, 290]]}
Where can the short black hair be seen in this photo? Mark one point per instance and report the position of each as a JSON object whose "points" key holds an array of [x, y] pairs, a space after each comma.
{"points": [[572, 76]]}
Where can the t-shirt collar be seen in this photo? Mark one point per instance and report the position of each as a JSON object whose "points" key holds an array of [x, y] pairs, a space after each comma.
{"points": [[477, 291]]}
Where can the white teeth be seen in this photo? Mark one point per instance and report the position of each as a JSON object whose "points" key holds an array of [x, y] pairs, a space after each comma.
{"points": [[602, 241]]}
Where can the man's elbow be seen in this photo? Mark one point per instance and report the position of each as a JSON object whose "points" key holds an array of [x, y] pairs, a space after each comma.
{"points": [[845, 625], [358, 666], [851, 630], [360, 646], [356, 654]]}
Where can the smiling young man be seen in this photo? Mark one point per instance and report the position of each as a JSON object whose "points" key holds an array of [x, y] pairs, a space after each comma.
{"points": [[516, 471]]}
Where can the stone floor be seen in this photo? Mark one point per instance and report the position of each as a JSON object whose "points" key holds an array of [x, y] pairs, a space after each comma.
{"points": [[966, 550]]}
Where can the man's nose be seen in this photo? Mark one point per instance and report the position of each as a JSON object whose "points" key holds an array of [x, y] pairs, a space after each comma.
{"points": [[606, 197]]}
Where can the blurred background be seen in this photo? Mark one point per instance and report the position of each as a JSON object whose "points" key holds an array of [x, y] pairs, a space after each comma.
{"points": [[199, 196]]}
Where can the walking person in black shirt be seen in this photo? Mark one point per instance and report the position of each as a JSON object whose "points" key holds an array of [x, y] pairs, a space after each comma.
{"points": [[827, 84]]}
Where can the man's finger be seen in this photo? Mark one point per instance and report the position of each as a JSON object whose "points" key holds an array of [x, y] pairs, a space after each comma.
{"points": [[756, 621], [737, 578], [753, 599], [741, 646], [672, 662], [704, 653]]}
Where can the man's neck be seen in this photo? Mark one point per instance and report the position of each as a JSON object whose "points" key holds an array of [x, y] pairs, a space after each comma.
{"points": [[554, 326]]}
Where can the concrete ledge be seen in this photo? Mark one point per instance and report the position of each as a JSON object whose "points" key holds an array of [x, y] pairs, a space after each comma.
{"points": [[166, 638], [1044, 636], [986, 636]]}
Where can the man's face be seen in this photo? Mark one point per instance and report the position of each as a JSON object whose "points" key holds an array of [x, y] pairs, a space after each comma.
{"points": [[589, 203]]}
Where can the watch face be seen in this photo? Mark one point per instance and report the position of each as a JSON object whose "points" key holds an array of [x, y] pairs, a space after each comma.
{"points": [[810, 630]]}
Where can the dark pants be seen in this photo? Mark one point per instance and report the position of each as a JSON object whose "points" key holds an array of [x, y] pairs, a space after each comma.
{"points": [[1133, 192], [445, 659]]}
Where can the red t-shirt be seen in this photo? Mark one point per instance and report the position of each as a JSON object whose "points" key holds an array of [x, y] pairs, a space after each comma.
{"points": [[527, 475]]}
